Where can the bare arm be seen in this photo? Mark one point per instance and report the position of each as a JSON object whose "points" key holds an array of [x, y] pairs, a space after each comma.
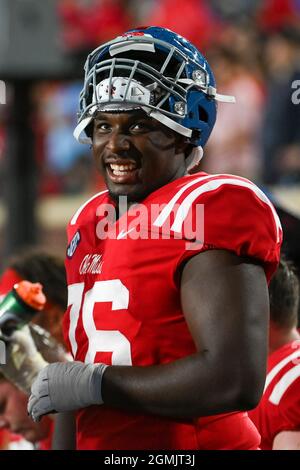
{"points": [[287, 440], [64, 436], [225, 303]]}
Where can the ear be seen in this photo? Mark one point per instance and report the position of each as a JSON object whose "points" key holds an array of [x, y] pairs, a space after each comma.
{"points": [[182, 145], [188, 149]]}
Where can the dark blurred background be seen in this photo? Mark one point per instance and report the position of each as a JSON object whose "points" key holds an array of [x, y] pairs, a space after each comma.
{"points": [[253, 47]]}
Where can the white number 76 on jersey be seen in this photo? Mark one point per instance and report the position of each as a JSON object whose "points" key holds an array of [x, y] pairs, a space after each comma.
{"points": [[99, 340]]}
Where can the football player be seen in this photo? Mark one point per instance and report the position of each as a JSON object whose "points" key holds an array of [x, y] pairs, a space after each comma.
{"points": [[278, 415], [167, 272], [29, 349]]}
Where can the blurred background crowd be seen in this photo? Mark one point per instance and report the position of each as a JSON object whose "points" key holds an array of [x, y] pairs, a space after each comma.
{"points": [[253, 47]]}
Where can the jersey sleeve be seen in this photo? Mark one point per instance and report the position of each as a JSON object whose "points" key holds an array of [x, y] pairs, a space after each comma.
{"points": [[229, 214], [289, 405]]}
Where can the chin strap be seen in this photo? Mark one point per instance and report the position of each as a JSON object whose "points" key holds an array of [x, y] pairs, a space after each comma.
{"points": [[208, 90], [211, 91], [194, 158], [175, 126], [79, 129]]}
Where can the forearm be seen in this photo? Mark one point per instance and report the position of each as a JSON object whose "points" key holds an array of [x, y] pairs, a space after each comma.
{"points": [[287, 440], [184, 389], [64, 436], [198, 385]]}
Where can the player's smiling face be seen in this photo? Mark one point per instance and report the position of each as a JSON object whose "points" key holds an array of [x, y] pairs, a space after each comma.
{"points": [[136, 154]]}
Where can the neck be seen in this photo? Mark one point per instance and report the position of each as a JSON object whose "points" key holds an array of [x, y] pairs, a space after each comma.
{"points": [[280, 336], [123, 208]]}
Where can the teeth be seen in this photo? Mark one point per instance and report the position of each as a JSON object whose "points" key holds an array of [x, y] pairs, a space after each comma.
{"points": [[120, 173], [122, 169]]}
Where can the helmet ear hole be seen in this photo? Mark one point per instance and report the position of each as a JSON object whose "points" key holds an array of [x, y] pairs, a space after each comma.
{"points": [[89, 129], [188, 150], [203, 115], [196, 135]]}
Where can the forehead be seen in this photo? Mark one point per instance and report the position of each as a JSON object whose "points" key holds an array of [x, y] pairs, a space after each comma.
{"points": [[123, 116]]}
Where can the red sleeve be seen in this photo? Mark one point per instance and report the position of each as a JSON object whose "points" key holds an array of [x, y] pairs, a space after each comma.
{"points": [[231, 214]]}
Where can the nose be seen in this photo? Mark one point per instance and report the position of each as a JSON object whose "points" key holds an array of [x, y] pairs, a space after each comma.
{"points": [[118, 142]]}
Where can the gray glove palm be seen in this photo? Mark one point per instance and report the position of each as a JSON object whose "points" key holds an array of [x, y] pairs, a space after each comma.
{"points": [[65, 387]]}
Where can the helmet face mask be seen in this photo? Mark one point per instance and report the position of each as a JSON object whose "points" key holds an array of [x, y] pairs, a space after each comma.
{"points": [[155, 70]]}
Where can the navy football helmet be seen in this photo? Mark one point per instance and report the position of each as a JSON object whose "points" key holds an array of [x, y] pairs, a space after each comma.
{"points": [[153, 69]]}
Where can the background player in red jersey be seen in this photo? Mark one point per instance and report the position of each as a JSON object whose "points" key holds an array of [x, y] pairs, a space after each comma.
{"points": [[167, 317], [277, 416], [17, 431]]}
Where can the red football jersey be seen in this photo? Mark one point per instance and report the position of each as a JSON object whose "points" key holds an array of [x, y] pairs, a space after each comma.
{"points": [[279, 408], [124, 297]]}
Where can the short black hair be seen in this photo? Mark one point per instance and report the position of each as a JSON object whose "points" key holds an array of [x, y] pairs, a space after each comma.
{"points": [[284, 295], [37, 265]]}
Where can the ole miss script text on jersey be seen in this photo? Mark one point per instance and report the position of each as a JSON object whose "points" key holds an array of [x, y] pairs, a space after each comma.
{"points": [[124, 297]]}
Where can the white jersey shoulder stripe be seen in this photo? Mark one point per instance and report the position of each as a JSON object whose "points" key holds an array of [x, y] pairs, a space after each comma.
{"points": [[283, 384], [273, 372], [204, 188], [78, 212], [211, 186], [160, 220]]}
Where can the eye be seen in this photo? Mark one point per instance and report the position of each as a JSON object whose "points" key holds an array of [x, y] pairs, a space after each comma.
{"points": [[140, 126], [102, 126]]}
